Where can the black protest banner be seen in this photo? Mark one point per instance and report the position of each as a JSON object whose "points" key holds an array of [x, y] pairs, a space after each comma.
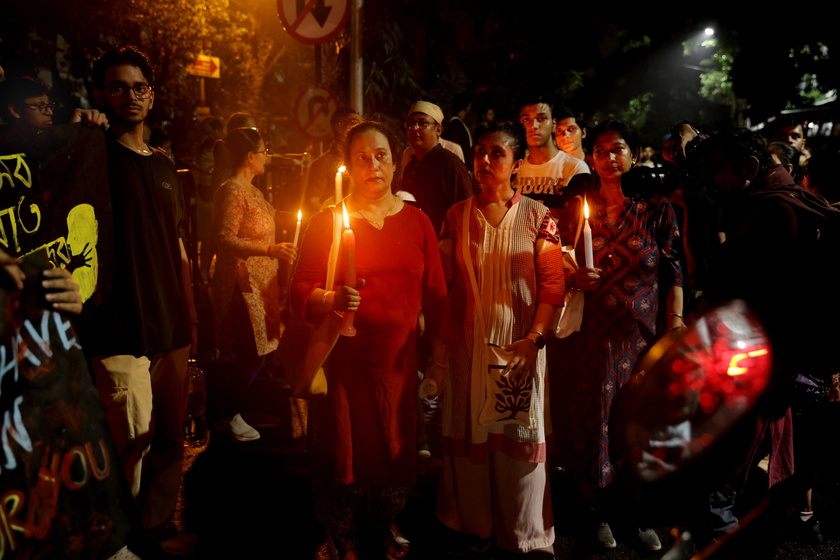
{"points": [[54, 195], [63, 492]]}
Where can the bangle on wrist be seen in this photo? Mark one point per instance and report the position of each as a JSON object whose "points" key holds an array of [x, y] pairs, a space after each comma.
{"points": [[675, 315], [324, 298], [438, 364]]}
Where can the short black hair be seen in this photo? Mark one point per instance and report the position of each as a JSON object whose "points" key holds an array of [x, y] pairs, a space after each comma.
{"points": [[514, 132], [622, 129], [14, 90], [377, 126], [341, 113], [736, 145], [120, 56], [788, 156], [536, 99], [569, 113]]}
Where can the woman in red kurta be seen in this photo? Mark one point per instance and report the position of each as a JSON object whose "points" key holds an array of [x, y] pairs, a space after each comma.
{"points": [[364, 451]]}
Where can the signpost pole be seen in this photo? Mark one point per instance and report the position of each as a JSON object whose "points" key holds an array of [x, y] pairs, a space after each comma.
{"points": [[356, 62], [318, 63]]}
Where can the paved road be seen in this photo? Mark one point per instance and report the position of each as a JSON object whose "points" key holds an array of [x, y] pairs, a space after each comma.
{"points": [[251, 500]]}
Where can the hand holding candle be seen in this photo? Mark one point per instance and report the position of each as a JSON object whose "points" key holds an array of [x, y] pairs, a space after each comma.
{"points": [[339, 191], [587, 237], [348, 244]]}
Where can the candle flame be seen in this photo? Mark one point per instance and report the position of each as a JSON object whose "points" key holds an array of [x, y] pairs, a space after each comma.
{"points": [[346, 217], [342, 169], [585, 209], [300, 215]]}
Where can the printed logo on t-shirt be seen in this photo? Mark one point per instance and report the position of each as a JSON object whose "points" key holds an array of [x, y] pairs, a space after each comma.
{"points": [[166, 186], [533, 186]]}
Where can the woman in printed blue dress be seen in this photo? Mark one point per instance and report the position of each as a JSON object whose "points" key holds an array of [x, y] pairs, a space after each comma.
{"points": [[635, 273]]}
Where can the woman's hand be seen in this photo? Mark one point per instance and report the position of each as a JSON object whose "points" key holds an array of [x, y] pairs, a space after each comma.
{"points": [[283, 251], [347, 298], [586, 279], [523, 364], [63, 291]]}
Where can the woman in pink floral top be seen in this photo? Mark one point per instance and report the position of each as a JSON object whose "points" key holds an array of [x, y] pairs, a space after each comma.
{"points": [[246, 292]]}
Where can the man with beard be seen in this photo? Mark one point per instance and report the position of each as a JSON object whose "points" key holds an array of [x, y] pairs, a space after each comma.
{"points": [[139, 334]]}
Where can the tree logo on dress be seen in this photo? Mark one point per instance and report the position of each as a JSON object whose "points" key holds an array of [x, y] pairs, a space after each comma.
{"points": [[513, 395]]}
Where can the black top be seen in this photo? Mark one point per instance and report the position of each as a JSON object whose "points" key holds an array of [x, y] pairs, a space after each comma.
{"points": [[143, 311], [437, 181], [779, 256], [456, 131]]}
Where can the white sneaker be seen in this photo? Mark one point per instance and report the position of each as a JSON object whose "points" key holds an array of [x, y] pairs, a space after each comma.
{"points": [[603, 535], [237, 428], [649, 540]]}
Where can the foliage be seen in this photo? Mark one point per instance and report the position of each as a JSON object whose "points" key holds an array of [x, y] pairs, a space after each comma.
{"points": [[172, 33], [389, 78]]}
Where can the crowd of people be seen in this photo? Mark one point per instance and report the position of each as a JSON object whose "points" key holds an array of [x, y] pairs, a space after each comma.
{"points": [[467, 246]]}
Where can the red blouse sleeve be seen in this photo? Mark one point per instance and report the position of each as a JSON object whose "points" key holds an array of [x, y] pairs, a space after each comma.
{"points": [[551, 281]]}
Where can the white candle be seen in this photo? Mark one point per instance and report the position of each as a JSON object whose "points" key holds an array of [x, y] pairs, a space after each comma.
{"points": [[587, 237], [297, 228], [348, 243], [339, 177]]}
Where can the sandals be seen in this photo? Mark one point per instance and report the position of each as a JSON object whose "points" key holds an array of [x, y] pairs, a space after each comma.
{"points": [[396, 545]]}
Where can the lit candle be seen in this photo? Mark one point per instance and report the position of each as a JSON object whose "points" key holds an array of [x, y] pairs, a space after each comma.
{"points": [[587, 237], [339, 178], [297, 229], [348, 244]]}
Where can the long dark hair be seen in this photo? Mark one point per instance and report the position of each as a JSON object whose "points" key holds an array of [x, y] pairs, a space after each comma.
{"points": [[239, 142]]}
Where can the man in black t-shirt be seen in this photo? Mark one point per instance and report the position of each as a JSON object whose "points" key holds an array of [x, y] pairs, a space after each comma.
{"points": [[140, 333]]}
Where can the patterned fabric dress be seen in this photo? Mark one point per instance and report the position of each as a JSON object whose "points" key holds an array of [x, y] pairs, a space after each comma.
{"points": [[639, 259], [244, 218]]}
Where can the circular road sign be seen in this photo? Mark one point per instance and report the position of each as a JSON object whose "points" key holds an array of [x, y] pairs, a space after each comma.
{"points": [[313, 21], [313, 110]]}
